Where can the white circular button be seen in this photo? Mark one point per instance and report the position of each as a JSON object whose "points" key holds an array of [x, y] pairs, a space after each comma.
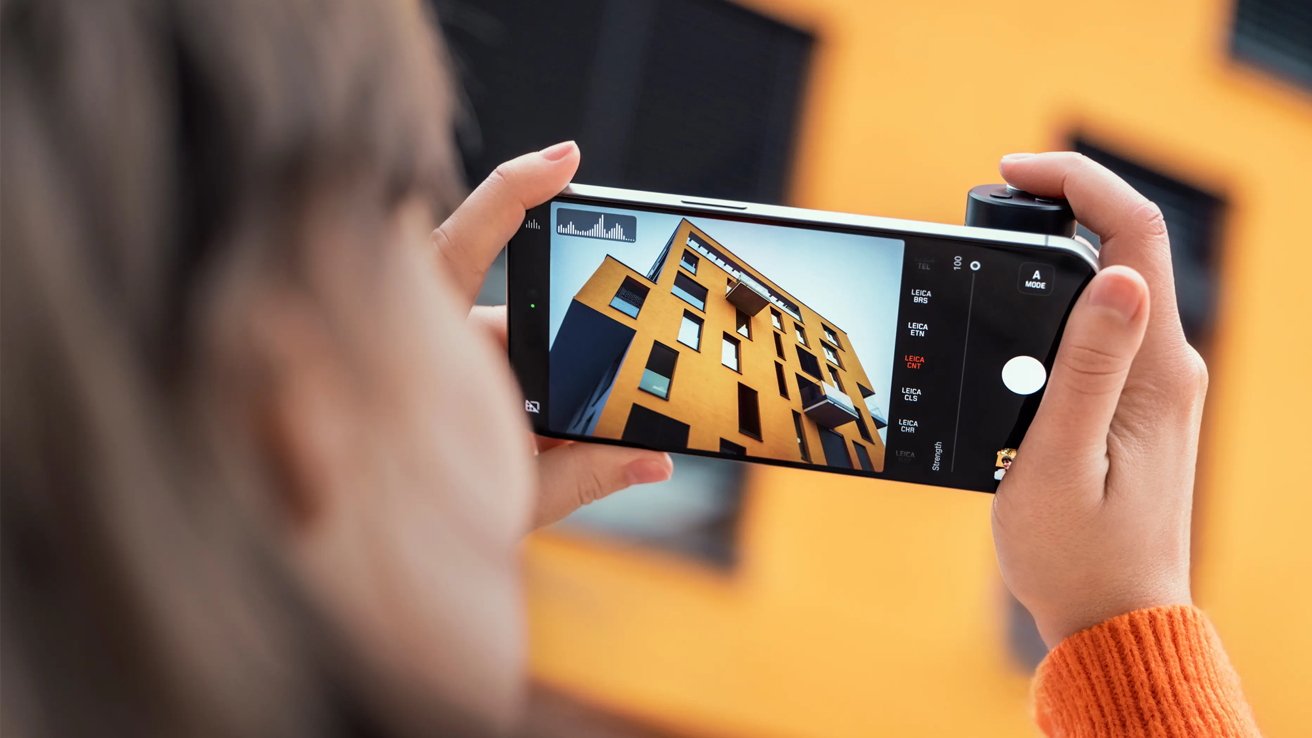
{"points": [[1024, 375]]}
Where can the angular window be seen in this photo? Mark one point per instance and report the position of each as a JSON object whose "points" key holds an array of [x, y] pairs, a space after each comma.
{"points": [[801, 334], [831, 335], [630, 297], [729, 448], [863, 428], [689, 261], [863, 457], [749, 412], [744, 325], [838, 382], [1193, 220], [689, 291], [776, 319], [729, 353], [801, 436], [653, 430], [830, 353], [806, 388], [835, 448], [809, 364], [783, 384], [659, 374], [690, 331], [778, 346], [868, 398], [1274, 34]]}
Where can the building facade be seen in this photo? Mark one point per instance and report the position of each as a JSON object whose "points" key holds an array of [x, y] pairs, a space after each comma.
{"points": [[704, 352]]}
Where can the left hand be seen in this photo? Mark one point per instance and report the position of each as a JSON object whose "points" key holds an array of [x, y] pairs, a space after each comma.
{"points": [[570, 474]]}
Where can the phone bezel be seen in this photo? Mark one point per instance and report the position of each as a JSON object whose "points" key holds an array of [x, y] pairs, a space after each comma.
{"points": [[789, 216]]}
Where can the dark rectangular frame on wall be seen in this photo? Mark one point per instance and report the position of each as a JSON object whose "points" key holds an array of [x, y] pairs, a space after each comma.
{"points": [[1194, 217], [1275, 35]]}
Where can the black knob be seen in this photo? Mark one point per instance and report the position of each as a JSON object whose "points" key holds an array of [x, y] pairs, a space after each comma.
{"points": [[1005, 207]]}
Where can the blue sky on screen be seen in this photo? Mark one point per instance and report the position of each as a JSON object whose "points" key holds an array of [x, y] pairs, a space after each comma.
{"points": [[851, 280]]}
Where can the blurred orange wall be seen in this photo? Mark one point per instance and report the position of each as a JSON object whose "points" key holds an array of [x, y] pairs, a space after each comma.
{"points": [[863, 608]]}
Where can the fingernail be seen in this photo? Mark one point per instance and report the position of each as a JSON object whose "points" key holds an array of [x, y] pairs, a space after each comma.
{"points": [[1016, 157], [647, 471], [559, 151], [1118, 293]]}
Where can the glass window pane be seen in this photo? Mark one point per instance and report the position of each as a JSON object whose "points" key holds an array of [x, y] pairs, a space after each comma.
{"points": [[801, 335], [689, 291], [659, 373], [655, 384], [744, 325], [729, 353], [689, 262], [690, 331], [809, 364], [630, 297]]}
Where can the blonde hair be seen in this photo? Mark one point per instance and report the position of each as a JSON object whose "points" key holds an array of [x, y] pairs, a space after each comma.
{"points": [[160, 158]]}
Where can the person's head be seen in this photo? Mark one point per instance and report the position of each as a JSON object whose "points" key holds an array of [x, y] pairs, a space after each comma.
{"points": [[1006, 462], [255, 465]]}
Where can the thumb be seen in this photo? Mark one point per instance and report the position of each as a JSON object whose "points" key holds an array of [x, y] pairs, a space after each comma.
{"points": [[1102, 337], [575, 474]]}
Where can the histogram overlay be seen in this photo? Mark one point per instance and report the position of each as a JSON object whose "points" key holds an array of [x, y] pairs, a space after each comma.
{"points": [[592, 224]]}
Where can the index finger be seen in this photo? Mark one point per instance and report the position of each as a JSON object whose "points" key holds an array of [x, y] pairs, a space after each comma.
{"points": [[1130, 225], [471, 238]]}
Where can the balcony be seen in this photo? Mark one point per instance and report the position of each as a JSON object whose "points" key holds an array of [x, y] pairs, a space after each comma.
{"points": [[827, 405], [746, 297]]}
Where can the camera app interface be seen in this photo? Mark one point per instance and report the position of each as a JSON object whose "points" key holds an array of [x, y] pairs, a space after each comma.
{"points": [[813, 347]]}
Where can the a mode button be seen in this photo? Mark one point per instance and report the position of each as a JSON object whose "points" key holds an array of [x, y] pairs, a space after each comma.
{"points": [[1035, 278]]}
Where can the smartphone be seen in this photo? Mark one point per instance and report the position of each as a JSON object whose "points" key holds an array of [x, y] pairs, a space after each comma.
{"points": [[885, 348]]}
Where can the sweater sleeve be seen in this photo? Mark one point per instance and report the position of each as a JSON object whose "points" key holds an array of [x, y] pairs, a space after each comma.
{"points": [[1155, 673]]}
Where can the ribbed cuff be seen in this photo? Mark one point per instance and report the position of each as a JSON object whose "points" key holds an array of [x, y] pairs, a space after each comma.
{"points": [[1155, 673]]}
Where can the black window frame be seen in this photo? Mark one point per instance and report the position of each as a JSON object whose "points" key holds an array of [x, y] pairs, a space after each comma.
{"points": [[782, 379], [680, 278], [688, 254], [838, 381], [863, 459], [1275, 36], [803, 357], [831, 335], [847, 454], [737, 352], [802, 445], [749, 412], [742, 321], [701, 331], [629, 283], [672, 354]]}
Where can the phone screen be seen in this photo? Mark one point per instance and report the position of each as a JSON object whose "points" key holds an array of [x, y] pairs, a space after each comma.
{"points": [[909, 357]]}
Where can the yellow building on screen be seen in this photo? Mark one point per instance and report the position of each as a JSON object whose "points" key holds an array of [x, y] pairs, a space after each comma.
{"points": [[704, 352]]}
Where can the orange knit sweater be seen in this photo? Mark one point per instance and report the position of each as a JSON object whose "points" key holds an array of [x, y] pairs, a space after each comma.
{"points": [[1155, 673]]}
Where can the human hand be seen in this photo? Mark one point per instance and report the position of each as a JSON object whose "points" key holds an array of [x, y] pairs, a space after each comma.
{"points": [[1093, 518], [569, 474]]}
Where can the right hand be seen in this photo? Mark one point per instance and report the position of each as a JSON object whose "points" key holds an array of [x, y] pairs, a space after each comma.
{"points": [[1093, 518]]}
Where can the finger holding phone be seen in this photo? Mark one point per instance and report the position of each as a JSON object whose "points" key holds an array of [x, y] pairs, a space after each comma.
{"points": [[569, 474], [1092, 520]]}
